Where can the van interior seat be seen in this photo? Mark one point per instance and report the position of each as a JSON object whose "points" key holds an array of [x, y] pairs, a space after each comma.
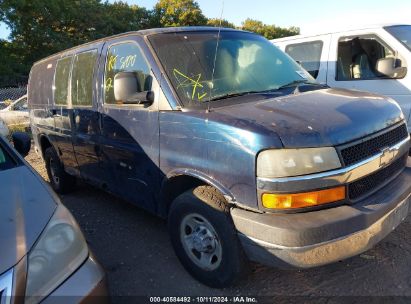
{"points": [[225, 73], [360, 66], [360, 69]]}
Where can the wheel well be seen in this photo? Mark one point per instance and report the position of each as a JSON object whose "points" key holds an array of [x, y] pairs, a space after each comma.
{"points": [[44, 144], [174, 187]]}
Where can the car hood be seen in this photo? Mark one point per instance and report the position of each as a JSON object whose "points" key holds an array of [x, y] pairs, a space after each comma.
{"points": [[26, 206], [317, 118]]}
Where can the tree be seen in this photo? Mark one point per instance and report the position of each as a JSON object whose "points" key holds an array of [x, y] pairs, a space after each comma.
{"points": [[178, 13], [13, 71], [43, 27], [216, 23], [268, 31], [120, 17]]}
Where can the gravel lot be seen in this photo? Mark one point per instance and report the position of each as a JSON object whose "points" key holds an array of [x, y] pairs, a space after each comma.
{"points": [[134, 248]]}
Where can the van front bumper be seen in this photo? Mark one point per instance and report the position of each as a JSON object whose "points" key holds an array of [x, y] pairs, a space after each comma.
{"points": [[325, 236]]}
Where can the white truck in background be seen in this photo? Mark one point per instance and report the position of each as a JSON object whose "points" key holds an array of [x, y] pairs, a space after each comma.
{"points": [[372, 58]]}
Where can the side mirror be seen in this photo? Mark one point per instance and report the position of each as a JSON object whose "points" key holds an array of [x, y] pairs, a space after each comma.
{"points": [[145, 98], [389, 67], [126, 90], [22, 143]]}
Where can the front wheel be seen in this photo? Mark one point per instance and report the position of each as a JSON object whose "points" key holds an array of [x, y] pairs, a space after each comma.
{"points": [[204, 237]]}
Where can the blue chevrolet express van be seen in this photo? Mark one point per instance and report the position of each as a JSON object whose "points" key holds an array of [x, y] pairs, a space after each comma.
{"points": [[226, 137]]}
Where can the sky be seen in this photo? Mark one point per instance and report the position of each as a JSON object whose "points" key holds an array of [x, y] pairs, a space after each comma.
{"points": [[310, 15]]}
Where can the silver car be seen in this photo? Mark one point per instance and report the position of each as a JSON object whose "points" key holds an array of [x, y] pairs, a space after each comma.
{"points": [[43, 253]]}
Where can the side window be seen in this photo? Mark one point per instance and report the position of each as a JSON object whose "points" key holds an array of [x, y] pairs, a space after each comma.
{"points": [[357, 57], [308, 54], [61, 79], [82, 78], [126, 57]]}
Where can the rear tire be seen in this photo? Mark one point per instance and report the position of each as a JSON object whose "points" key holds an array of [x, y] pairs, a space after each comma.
{"points": [[204, 237], [60, 181]]}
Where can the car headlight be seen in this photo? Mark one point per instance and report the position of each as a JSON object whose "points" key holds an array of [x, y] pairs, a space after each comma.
{"points": [[60, 250], [295, 162]]}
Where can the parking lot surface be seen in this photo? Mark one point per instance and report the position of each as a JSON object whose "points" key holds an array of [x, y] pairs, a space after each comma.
{"points": [[134, 248]]}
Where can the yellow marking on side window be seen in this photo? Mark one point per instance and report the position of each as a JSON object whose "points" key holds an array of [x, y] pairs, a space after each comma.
{"points": [[109, 84], [111, 62]]}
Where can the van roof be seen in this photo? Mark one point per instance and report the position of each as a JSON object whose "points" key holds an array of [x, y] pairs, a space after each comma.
{"points": [[145, 32], [345, 29]]}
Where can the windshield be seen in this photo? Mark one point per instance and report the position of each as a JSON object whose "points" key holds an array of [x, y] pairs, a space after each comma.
{"points": [[244, 62], [402, 33]]}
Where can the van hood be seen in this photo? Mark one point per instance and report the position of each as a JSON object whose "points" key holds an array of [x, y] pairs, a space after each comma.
{"points": [[326, 117], [26, 206]]}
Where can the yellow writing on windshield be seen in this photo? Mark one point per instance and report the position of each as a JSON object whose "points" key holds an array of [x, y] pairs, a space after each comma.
{"points": [[186, 81]]}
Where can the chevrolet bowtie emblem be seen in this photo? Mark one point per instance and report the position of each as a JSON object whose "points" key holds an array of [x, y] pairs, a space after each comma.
{"points": [[387, 156]]}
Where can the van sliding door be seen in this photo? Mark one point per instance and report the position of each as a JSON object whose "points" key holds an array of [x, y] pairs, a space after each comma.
{"points": [[86, 124]]}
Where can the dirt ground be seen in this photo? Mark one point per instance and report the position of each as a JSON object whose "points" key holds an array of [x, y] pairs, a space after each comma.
{"points": [[134, 248]]}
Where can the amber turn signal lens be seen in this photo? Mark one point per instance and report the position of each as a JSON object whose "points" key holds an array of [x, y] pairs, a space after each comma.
{"points": [[301, 200]]}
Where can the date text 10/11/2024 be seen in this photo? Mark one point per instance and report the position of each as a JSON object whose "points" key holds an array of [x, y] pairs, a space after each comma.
{"points": [[234, 299]]}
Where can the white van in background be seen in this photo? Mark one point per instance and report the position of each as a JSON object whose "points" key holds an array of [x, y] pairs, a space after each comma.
{"points": [[373, 59]]}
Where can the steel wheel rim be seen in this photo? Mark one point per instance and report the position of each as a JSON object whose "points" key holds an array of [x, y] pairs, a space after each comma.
{"points": [[200, 241]]}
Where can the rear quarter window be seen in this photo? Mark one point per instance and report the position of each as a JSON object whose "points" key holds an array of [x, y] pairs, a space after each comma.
{"points": [[82, 78], [308, 54], [61, 81]]}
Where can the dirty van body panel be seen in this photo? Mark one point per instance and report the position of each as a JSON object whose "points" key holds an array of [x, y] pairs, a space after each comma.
{"points": [[63, 137], [327, 117], [86, 138], [217, 146], [129, 141], [129, 153]]}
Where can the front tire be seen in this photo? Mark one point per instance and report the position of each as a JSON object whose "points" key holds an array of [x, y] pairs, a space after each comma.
{"points": [[204, 237], [60, 181]]}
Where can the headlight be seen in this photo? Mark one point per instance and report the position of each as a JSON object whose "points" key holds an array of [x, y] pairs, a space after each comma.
{"points": [[60, 250], [295, 162]]}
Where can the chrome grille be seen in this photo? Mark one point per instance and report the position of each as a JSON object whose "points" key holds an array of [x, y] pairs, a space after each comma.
{"points": [[6, 285], [369, 147], [372, 182]]}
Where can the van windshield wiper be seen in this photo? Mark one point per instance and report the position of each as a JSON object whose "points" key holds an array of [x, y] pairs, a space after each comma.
{"points": [[296, 83], [229, 95], [293, 83]]}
